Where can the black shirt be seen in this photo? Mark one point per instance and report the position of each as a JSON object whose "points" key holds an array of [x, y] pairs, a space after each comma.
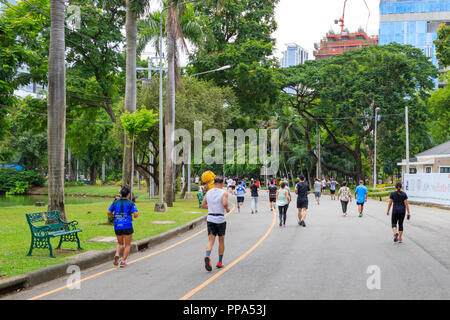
{"points": [[272, 191], [302, 189], [399, 201], [254, 190]]}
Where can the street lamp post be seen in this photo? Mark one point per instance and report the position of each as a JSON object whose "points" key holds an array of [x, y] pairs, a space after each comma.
{"points": [[407, 139], [375, 151]]}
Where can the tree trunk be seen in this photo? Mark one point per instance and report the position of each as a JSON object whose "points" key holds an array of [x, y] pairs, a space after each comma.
{"points": [[169, 112], [93, 174], [56, 109], [130, 87]]}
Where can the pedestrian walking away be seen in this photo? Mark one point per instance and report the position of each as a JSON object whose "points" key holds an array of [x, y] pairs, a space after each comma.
{"points": [[302, 190], [333, 184], [240, 195], [283, 200], [345, 196], [272, 189], [216, 201], [123, 211], [254, 189], [361, 197], [399, 199], [324, 185], [317, 190]]}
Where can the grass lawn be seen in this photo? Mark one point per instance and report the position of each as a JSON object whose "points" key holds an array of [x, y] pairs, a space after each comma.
{"points": [[92, 219]]}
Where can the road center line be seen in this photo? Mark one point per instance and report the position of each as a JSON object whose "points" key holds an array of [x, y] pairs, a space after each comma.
{"points": [[129, 263], [210, 280]]}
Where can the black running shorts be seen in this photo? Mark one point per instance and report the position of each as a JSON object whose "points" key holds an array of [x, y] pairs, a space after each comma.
{"points": [[217, 229], [273, 198], [124, 232], [302, 203]]}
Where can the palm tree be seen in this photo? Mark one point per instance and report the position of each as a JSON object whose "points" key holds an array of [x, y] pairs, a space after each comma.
{"points": [[56, 109], [174, 36], [133, 9]]}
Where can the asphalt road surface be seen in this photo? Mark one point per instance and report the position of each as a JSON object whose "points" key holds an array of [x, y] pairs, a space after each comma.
{"points": [[333, 257]]}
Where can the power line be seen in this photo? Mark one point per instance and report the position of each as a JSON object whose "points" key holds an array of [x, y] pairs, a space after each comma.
{"points": [[45, 115]]}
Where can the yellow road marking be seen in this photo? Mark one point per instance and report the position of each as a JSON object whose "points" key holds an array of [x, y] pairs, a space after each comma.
{"points": [[204, 284], [131, 262]]}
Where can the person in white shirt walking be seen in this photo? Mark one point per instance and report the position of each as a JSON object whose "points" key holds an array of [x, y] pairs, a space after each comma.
{"points": [[345, 195], [283, 200], [216, 201]]}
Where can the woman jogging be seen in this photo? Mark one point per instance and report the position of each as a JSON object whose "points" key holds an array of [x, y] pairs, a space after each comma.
{"points": [[122, 210], [254, 193], [345, 195], [399, 199], [283, 199]]}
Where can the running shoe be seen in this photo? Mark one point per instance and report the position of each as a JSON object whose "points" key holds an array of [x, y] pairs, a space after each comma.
{"points": [[400, 240], [122, 264], [344, 214], [303, 223], [219, 265], [208, 265], [116, 260], [280, 224], [360, 215], [396, 237]]}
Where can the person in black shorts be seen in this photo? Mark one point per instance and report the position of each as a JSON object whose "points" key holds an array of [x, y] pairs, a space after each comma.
{"points": [[399, 199], [272, 195], [302, 190], [123, 210]]}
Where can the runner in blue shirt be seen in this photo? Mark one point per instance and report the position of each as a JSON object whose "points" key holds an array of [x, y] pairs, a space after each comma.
{"points": [[240, 194], [122, 210], [361, 197]]}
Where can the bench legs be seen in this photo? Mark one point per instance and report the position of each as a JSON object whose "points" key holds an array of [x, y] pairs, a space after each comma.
{"points": [[40, 243], [69, 238]]}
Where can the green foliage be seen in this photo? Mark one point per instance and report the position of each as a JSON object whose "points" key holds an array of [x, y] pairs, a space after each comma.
{"points": [[15, 181], [240, 34], [340, 95], [438, 104], [138, 121], [442, 44]]}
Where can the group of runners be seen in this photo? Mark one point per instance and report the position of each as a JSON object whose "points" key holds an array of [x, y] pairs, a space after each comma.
{"points": [[216, 202]]}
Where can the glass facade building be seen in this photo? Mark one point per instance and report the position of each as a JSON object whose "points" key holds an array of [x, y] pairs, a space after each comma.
{"points": [[413, 22], [293, 56]]}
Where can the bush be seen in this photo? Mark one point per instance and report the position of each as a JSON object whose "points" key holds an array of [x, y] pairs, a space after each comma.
{"points": [[14, 181]]}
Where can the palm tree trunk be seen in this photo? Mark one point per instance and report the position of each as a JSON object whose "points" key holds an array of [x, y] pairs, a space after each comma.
{"points": [[169, 112], [130, 87], [56, 109]]}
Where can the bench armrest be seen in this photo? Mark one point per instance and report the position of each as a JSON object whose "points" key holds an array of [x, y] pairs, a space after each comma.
{"points": [[69, 225]]}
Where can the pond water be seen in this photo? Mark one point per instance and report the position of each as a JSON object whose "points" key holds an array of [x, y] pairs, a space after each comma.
{"points": [[30, 200]]}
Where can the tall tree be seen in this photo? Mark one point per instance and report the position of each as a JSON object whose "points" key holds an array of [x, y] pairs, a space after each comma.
{"points": [[56, 109], [133, 9], [340, 95]]}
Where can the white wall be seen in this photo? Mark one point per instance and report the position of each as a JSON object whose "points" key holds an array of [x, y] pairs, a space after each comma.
{"points": [[428, 187]]}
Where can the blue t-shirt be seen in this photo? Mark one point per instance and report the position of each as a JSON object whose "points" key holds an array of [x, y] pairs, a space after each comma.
{"points": [[240, 191], [244, 184], [123, 210], [361, 192], [333, 185]]}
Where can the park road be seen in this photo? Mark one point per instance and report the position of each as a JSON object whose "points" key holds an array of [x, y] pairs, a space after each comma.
{"points": [[333, 257]]}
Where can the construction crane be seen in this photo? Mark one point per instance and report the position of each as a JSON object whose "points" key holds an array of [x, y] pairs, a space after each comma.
{"points": [[341, 20]]}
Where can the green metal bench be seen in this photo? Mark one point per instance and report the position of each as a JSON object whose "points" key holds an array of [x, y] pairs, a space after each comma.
{"points": [[200, 199], [46, 225]]}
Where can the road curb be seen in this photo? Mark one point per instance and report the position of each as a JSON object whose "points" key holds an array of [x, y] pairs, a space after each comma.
{"points": [[90, 260]]}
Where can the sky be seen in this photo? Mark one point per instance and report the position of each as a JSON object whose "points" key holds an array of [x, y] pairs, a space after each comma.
{"points": [[307, 21]]}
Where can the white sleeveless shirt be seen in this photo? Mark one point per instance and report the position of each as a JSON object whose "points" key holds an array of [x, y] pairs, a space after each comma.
{"points": [[214, 200]]}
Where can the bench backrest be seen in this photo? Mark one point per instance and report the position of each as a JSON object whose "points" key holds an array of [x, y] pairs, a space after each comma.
{"points": [[49, 218]]}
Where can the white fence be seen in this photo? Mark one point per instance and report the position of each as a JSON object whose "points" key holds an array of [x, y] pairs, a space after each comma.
{"points": [[428, 187]]}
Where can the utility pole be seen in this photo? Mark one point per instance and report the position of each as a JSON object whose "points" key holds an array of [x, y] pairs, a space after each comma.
{"points": [[375, 151], [407, 139]]}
